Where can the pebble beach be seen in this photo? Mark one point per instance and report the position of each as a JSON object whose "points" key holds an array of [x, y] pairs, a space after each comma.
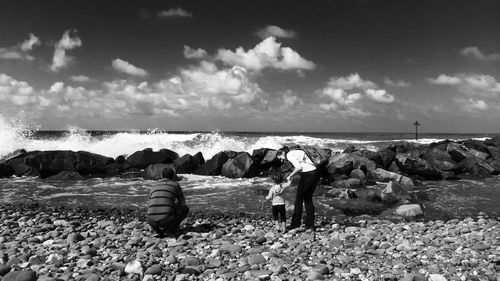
{"points": [[41, 242]]}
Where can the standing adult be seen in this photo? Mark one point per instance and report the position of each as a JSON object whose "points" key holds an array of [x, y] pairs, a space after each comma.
{"points": [[309, 179], [164, 213]]}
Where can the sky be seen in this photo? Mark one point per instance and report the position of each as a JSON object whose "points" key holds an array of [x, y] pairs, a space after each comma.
{"points": [[294, 66]]}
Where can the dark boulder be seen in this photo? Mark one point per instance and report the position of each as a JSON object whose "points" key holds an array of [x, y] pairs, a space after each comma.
{"points": [[259, 154], [440, 145], [65, 175], [230, 153], [187, 164], [199, 156], [23, 275], [457, 152], [494, 141], [386, 158], [393, 193], [241, 166], [416, 166], [478, 167], [21, 168], [13, 155], [345, 163], [440, 160], [213, 166], [142, 159], [357, 174], [6, 171], [476, 144], [350, 149], [155, 171], [50, 163], [270, 157], [386, 176]]}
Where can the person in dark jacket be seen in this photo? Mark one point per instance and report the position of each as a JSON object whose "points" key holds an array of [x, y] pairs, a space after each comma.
{"points": [[165, 214]]}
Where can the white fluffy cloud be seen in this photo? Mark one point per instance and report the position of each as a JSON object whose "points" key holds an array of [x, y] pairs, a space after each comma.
{"points": [[80, 78], [266, 54], [475, 53], [178, 12], [351, 95], [380, 96], [474, 85], [20, 51], [19, 93], [128, 68], [398, 83], [275, 31], [191, 53], [60, 59]]}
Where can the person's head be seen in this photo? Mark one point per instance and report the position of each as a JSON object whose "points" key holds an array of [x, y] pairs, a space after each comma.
{"points": [[277, 178], [168, 173], [281, 154]]}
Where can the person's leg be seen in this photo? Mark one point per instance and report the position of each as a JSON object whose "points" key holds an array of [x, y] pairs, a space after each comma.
{"points": [[181, 212], [299, 199], [282, 217], [156, 226], [311, 181]]}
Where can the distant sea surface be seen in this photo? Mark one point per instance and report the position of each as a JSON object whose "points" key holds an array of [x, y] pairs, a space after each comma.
{"points": [[443, 198]]}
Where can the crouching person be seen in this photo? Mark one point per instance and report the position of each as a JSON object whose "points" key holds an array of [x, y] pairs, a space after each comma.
{"points": [[165, 214]]}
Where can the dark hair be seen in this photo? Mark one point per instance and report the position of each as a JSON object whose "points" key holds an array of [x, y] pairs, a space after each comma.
{"points": [[278, 178], [168, 173], [282, 150]]}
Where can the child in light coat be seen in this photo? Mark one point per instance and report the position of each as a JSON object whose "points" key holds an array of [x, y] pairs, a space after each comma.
{"points": [[278, 202]]}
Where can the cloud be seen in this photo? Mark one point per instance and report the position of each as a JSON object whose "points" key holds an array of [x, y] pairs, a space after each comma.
{"points": [[398, 83], [80, 78], [474, 53], [275, 31], [191, 53], [380, 96], [20, 51], [17, 93], [352, 96], [350, 82], [128, 68], [266, 54], [30, 43], [172, 13], [60, 60], [474, 85]]}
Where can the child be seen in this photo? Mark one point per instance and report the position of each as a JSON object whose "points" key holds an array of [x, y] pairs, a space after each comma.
{"points": [[278, 203]]}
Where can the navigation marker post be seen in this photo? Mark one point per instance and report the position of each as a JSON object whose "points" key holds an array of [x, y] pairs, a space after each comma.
{"points": [[416, 124]]}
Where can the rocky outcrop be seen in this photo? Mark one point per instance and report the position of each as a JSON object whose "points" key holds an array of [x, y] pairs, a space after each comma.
{"points": [[213, 166], [344, 163], [142, 159], [6, 171], [241, 166], [155, 171], [385, 176], [65, 175], [187, 164]]}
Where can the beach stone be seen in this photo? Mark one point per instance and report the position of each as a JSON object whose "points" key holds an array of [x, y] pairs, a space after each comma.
{"points": [[256, 259], [437, 277], [315, 275], [24, 275], [194, 270], [63, 223], [4, 269], [409, 210], [134, 267], [228, 247], [54, 259], [154, 269], [261, 274], [74, 238], [190, 261], [393, 192]]}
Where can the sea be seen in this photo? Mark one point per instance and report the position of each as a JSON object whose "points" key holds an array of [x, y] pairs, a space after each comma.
{"points": [[440, 199]]}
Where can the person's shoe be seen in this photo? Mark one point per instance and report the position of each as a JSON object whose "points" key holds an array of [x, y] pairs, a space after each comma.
{"points": [[310, 228], [290, 227]]}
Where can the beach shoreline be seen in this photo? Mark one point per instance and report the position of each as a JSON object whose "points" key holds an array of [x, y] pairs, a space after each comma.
{"points": [[64, 243]]}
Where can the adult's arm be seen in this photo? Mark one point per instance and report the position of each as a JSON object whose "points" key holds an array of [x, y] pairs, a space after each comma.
{"points": [[297, 167]]}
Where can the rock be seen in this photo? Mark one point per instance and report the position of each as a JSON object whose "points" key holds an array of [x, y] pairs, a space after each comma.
{"points": [[228, 247], [384, 176], [410, 210], [417, 166], [261, 274], [347, 184], [4, 269], [190, 261], [345, 163], [241, 166], [270, 157], [213, 166], [24, 275], [256, 259], [386, 157], [21, 168], [6, 171], [50, 163], [134, 267], [55, 259], [63, 223], [314, 275], [66, 175], [357, 174], [393, 192], [187, 164], [154, 269], [155, 171], [146, 157], [436, 277]]}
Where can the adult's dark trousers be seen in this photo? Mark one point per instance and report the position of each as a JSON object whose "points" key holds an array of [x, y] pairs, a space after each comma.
{"points": [[171, 223], [305, 190]]}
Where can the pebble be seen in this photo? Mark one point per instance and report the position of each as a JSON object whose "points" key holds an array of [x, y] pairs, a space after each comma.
{"points": [[134, 267]]}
